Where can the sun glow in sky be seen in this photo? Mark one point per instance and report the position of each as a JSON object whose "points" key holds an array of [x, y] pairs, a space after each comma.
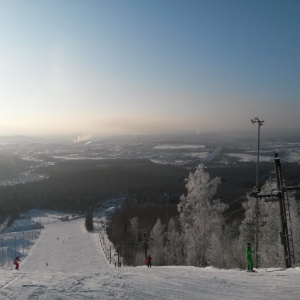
{"points": [[110, 67]]}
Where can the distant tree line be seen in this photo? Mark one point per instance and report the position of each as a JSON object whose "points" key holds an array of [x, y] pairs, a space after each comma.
{"points": [[80, 185]]}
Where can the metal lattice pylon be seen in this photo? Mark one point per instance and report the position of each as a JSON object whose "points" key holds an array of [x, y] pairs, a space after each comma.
{"points": [[286, 224], [289, 231], [282, 196]]}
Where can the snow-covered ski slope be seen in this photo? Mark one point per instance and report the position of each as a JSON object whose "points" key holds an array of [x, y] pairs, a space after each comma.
{"points": [[66, 262], [66, 247]]}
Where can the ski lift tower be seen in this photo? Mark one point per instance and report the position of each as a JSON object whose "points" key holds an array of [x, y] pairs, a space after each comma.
{"points": [[286, 224], [282, 196]]}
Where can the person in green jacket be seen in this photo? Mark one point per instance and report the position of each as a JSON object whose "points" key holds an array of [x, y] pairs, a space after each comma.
{"points": [[249, 251]]}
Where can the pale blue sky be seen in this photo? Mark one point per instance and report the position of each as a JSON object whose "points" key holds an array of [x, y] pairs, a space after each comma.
{"points": [[141, 67]]}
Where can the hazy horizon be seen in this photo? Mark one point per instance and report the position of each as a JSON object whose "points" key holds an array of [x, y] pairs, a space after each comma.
{"points": [[247, 134], [134, 67]]}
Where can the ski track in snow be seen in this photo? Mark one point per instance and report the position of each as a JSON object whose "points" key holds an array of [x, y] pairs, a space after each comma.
{"points": [[66, 262]]}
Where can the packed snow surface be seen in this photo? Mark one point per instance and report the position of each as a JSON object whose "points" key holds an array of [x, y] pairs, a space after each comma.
{"points": [[177, 147], [66, 262]]}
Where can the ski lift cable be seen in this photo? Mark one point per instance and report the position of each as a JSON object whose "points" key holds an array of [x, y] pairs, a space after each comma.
{"points": [[239, 199], [243, 197], [233, 212]]}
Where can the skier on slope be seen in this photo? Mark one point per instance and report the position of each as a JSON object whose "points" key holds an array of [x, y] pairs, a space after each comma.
{"points": [[149, 258], [16, 262], [248, 253]]}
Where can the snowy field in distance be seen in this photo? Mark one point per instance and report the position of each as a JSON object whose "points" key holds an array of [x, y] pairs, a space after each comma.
{"points": [[246, 157], [178, 147], [66, 262]]}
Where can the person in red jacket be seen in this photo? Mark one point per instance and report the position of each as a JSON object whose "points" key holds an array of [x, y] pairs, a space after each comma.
{"points": [[16, 262], [149, 258]]}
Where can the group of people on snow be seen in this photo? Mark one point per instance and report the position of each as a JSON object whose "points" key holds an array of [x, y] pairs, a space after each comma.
{"points": [[148, 260], [248, 253]]}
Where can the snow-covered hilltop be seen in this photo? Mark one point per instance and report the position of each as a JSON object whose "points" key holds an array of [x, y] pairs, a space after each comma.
{"points": [[66, 262]]}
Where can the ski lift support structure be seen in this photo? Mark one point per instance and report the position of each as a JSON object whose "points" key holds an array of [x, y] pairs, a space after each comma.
{"points": [[282, 196]]}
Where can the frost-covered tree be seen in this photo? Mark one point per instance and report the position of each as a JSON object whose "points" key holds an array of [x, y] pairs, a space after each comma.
{"points": [[295, 218], [200, 217], [134, 229], [174, 244], [230, 243], [133, 256], [156, 248], [247, 227], [268, 222], [221, 249], [270, 250], [272, 253]]}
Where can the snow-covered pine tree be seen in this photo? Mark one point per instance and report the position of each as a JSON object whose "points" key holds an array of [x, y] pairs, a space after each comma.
{"points": [[174, 244], [134, 229], [133, 256], [270, 248], [156, 249], [220, 247], [89, 225], [247, 229], [295, 218], [200, 216]]}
